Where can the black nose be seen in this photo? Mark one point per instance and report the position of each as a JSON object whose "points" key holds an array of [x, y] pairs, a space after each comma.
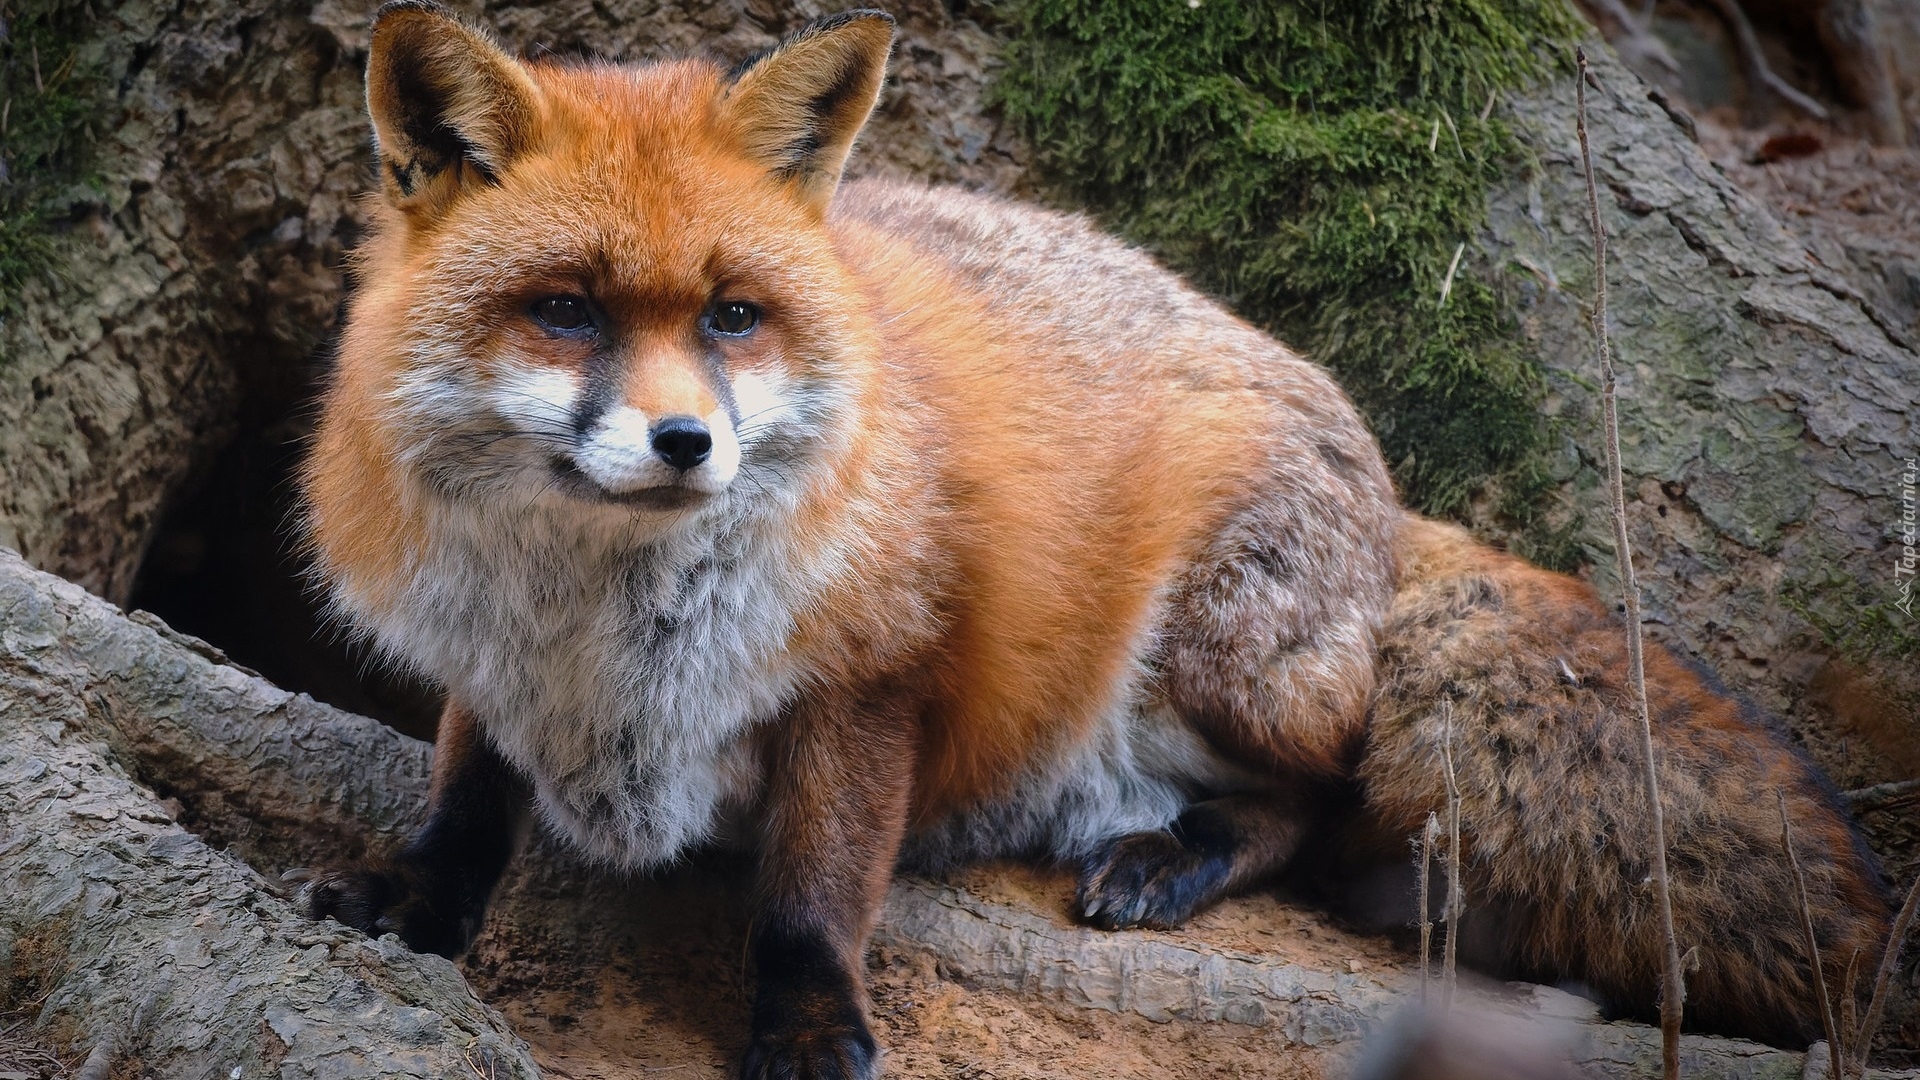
{"points": [[682, 441]]}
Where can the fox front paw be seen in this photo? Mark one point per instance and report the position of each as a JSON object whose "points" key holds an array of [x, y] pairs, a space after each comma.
{"points": [[834, 1052], [387, 899], [1151, 880]]}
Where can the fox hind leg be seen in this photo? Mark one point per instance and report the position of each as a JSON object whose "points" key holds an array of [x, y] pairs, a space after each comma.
{"points": [[1267, 644], [1267, 652]]}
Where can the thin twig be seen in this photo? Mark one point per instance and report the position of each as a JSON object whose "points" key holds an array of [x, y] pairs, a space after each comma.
{"points": [[1848, 1021], [1456, 892], [1673, 986], [1429, 836], [1881, 796], [1889, 963], [1820, 998], [1461, 150], [1433, 143]]}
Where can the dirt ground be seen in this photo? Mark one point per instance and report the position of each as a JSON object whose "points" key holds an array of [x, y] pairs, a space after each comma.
{"points": [[653, 982]]}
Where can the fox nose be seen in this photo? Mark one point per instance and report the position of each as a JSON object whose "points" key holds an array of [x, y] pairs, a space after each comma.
{"points": [[682, 441]]}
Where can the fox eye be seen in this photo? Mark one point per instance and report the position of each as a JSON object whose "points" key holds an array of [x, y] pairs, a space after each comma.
{"points": [[562, 313], [733, 318]]}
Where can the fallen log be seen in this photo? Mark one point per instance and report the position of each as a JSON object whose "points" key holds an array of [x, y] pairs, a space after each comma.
{"points": [[141, 947]]}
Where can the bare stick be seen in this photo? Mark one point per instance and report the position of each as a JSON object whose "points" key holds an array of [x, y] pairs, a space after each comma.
{"points": [[1820, 998], [1446, 287], [1848, 1021], [1456, 892], [1673, 988], [1889, 962], [1429, 836]]}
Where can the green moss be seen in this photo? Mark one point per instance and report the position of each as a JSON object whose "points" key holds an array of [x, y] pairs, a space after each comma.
{"points": [[1316, 165], [47, 99], [1859, 619]]}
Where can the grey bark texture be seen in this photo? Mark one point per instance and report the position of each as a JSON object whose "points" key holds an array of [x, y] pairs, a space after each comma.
{"points": [[147, 949], [182, 960], [1767, 411]]}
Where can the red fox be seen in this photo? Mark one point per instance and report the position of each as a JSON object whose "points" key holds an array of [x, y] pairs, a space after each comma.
{"points": [[856, 523]]}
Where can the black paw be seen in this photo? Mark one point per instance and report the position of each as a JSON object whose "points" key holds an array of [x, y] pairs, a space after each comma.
{"points": [[1149, 879], [834, 1052], [390, 899]]}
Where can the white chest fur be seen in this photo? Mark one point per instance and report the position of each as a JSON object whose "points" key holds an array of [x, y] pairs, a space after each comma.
{"points": [[623, 677]]}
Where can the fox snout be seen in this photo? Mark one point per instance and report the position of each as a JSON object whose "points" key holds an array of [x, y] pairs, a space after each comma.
{"points": [[626, 452]]}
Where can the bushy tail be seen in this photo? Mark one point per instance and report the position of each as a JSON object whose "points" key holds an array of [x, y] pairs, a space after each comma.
{"points": [[1554, 815]]}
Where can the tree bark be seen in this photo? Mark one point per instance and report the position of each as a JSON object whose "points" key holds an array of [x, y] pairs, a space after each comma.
{"points": [[138, 944], [1767, 409]]}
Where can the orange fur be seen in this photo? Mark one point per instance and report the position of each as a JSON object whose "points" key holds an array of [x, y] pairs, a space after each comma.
{"points": [[1062, 546]]}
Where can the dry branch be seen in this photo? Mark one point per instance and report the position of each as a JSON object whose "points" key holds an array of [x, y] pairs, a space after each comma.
{"points": [[1882, 796], [1673, 989], [1456, 888], [1761, 79], [1836, 1050], [1883, 980], [1429, 836]]}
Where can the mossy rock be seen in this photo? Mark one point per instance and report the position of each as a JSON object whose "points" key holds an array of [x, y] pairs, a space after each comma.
{"points": [[1317, 166]]}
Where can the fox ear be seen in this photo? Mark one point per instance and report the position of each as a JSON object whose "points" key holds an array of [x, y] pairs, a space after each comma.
{"points": [[797, 107], [450, 110]]}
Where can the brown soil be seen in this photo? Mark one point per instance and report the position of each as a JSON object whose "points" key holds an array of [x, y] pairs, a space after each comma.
{"points": [[651, 981]]}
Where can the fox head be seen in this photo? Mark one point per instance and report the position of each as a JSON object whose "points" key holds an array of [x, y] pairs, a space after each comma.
{"points": [[606, 287]]}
